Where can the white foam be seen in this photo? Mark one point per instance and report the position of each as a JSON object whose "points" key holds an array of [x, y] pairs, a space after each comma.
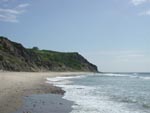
{"points": [[141, 77], [125, 75], [115, 75], [145, 78], [87, 102], [87, 99], [57, 81]]}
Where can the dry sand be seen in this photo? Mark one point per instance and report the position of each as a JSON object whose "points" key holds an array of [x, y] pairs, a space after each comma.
{"points": [[15, 85]]}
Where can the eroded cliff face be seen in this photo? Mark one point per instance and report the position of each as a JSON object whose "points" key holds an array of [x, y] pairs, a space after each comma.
{"points": [[14, 57]]}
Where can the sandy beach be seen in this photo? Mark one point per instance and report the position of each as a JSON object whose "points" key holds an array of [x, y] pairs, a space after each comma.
{"points": [[14, 86]]}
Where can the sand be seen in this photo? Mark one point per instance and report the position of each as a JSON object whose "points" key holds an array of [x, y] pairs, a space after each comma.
{"points": [[14, 86], [45, 103]]}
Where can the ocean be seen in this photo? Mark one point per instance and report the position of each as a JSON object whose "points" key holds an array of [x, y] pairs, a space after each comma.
{"points": [[107, 92]]}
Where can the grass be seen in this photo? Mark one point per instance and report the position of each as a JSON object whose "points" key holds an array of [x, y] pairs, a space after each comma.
{"points": [[68, 59]]}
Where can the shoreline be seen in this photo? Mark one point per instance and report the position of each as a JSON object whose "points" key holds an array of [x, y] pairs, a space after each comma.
{"points": [[14, 86]]}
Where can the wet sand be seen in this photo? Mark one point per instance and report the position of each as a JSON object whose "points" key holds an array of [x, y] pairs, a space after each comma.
{"points": [[45, 103], [14, 86]]}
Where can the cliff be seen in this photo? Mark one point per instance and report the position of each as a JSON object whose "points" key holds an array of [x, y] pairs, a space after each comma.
{"points": [[15, 57]]}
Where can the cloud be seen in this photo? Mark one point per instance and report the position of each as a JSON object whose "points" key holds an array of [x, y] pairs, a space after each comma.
{"points": [[8, 18], [12, 14], [11, 11], [8, 0], [23, 5], [146, 13], [139, 2]]}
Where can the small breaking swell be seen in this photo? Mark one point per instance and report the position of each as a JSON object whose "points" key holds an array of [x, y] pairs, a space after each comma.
{"points": [[141, 77], [115, 75], [145, 78], [88, 101], [136, 76], [57, 81], [85, 98]]}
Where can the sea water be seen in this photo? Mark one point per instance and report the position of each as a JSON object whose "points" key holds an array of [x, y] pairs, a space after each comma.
{"points": [[107, 92]]}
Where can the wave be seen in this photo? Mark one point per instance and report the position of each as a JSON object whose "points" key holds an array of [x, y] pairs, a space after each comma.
{"points": [[141, 77], [137, 76], [87, 99], [145, 78], [57, 81], [115, 75]]}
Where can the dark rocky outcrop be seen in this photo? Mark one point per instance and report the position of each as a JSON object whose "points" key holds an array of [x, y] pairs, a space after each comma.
{"points": [[14, 57]]}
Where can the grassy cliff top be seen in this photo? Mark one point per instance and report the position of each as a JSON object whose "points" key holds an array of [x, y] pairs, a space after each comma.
{"points": [[15, 57]]}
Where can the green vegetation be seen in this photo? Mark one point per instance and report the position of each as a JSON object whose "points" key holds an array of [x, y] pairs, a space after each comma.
{"points": [[35, 48], [68, 59], [14, 57]]}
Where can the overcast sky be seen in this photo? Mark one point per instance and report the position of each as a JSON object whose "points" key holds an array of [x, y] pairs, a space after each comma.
{"points": [[113, 34]]}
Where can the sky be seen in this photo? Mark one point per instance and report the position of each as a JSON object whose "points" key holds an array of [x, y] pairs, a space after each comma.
{"points": [[113, 34]]}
